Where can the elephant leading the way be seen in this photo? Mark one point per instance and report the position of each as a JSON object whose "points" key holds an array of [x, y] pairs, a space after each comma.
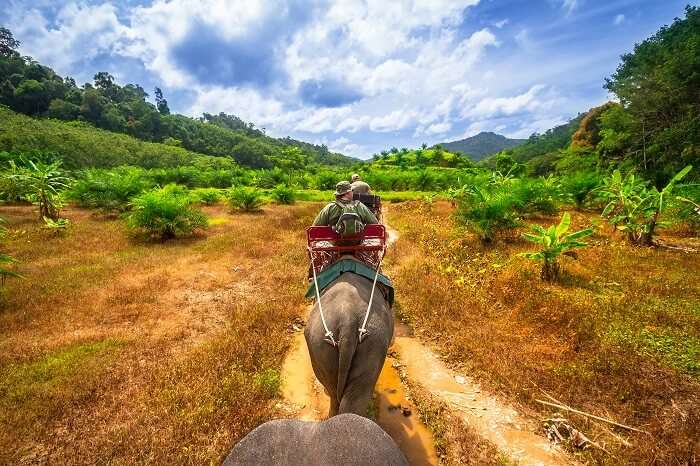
{"points": [[345, 440], [350, 370]]}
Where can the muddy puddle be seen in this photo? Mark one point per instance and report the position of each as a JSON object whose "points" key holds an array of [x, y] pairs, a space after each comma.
{"points": [[397, 416]]}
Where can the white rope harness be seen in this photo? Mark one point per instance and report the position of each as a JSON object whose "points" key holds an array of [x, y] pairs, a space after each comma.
{"points": [[328, 335], [363, 329]]}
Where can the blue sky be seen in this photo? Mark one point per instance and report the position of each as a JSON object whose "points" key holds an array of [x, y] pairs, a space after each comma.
{"points": [[358, 75]]}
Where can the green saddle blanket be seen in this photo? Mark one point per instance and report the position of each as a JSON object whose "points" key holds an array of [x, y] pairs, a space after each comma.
{"points": [[334, 271]]}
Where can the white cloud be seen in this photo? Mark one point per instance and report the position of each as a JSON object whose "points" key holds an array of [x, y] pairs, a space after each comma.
{"points": [[505, 106], [619, 19], [570, 5], [501, 23]]}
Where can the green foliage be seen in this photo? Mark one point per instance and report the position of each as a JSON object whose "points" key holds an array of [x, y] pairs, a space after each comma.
{"points": [[634, 208], [207, 196], [283, 194], [245, 198], [109, 190], [578, 187], [487, 212], [166, 213], [41, 183], [56, 226], [554, 242], [6, 260]]}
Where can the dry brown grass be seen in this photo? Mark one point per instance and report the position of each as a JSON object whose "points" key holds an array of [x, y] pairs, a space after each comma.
{"points": [[118, 351], [617, 337]]}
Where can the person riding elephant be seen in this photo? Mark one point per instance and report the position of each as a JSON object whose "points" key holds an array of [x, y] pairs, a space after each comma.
{"points": [[331, 214], [358, 186]]}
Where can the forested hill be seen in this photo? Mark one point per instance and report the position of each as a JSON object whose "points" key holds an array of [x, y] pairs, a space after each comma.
{"points": [[36, 90], [482, 145]]}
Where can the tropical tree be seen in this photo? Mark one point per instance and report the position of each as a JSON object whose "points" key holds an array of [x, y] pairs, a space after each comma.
{"points": [[283, 194], [554, 242]]}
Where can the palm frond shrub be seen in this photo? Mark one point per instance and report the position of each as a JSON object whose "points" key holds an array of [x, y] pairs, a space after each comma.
{"points": [[245, 198], [554, 241], [109, 190], [207, 196], [536, 195], [283, 194], [487, 212], [166, 213], [579, 186]]}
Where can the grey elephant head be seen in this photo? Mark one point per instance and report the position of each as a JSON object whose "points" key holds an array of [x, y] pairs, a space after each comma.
{"points": [[344, 440]]}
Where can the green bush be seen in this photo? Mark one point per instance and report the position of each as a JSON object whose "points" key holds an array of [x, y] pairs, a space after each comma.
{"points": [[283, 195], [578, 187], [166, 213], [42, 183], [207, 196], [487, 212], [110, 190], [245, 198]]}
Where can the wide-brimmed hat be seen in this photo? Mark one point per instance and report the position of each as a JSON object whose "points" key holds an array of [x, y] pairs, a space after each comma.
{"points": [[342, 188]]}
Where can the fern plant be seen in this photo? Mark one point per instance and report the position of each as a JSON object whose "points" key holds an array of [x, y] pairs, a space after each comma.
{"points": [[283, 194], [487, 212], [554, 242], [245, 199], [166, 213]]}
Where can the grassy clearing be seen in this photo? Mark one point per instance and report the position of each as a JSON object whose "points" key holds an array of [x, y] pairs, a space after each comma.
{"points": [[124, 351], [618, 337]]}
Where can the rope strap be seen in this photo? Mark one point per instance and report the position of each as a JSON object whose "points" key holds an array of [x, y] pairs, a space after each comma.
{"points": [[363, 329], [328, 337]]}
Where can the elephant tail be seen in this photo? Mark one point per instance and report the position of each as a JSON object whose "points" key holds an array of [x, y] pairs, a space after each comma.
{"points": [[346, 353]]}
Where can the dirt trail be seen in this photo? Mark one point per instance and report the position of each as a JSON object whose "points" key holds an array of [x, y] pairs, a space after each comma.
{"points": [[487, 415]]}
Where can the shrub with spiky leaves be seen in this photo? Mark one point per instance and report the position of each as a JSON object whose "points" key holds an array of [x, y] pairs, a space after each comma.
{"points": [[207, 196], [245, 199], [579, 186], [487, 212], [166, 213], [283, 194], [554, 241], [56, 226], [109, 190]]}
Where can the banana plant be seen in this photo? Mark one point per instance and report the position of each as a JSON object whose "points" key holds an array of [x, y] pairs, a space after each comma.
{"points": [[554, 242], [633, 208], [43, 184]]}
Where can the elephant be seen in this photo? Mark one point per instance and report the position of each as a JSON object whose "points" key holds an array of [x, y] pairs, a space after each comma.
{"points": [[343, 440], [350, 370]]}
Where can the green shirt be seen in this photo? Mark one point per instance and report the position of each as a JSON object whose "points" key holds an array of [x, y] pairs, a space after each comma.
{"points": [[330, 214]]}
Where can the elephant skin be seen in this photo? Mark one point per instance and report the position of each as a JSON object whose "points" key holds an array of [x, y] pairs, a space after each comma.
{"points": [[349, 371], [344, 440]]}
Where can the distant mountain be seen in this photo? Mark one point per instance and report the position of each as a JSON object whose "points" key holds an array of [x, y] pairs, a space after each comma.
{"points": [[482, 145]]}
